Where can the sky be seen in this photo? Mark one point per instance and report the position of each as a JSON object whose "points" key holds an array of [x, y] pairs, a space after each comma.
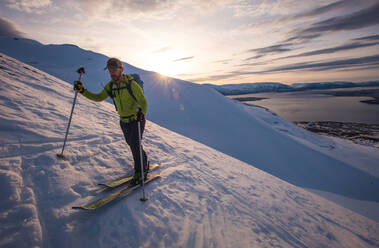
{"points": [[214, 41]]}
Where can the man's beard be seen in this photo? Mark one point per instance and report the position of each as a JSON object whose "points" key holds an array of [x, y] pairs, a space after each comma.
{"points": [[116, 77]]}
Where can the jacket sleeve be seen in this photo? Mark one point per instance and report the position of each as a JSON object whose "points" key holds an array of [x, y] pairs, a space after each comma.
{"points": [[96, 97], [138, 92]]}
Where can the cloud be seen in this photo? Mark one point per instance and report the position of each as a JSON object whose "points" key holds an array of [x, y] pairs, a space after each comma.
{"points": [[335, 7], [143, 10], [162, 50], [343, 4], [361, 19], [29, 6], [126, 10], [274, 49], [323, 66], [7, 28], [254, 57], [282, 12], [330, 50], [302, 38], [213, 77], [367, 62], [159, 8], [223, 61], [259, 8], [186, 75], [183, 59], [371, 37], [253, 64]]}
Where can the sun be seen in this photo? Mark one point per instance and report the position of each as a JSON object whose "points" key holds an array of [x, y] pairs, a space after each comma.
{"points": [[165, 65]]}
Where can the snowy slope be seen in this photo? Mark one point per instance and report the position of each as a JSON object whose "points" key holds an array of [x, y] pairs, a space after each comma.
{"points": [[61, 61], [203, 199], [253, 135]]}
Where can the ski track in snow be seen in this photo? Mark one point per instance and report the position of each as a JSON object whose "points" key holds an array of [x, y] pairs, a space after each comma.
{"points": [[203, 199]]}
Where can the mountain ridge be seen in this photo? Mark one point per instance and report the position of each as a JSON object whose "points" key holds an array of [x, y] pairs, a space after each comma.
{"points": [[259, 87]]}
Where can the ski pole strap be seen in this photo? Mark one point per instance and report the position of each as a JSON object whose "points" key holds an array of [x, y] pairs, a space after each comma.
{"points": [[128, 118]]}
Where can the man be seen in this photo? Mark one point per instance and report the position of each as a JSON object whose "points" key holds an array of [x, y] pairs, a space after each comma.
{"points": [[130, 104]]}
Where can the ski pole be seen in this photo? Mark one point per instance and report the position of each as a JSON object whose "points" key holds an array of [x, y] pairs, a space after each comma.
{"points": [[141, 159], [81, 72]]}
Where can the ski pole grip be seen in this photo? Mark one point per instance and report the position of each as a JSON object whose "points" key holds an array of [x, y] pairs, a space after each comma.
{"points": [[81, 71]]}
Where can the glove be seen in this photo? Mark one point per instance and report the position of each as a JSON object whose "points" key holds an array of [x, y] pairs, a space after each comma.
{"points": [[79, 87], [139, 116]]}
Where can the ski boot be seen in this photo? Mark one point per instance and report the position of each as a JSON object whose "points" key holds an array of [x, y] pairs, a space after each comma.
{"points": [[136, 178], [137, 175]]}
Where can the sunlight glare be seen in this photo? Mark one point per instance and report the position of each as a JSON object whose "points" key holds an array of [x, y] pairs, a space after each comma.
{"points": [[165, 65]]}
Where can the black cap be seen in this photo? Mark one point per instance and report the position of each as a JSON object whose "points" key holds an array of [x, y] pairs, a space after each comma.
{"points": [[113, 63]]}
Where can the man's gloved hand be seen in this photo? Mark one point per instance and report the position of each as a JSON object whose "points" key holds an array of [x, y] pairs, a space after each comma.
{"points": [[139, 116], [79, 87]]}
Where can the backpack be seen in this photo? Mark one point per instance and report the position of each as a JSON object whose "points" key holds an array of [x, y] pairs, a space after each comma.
{"points": [[130, 77]]}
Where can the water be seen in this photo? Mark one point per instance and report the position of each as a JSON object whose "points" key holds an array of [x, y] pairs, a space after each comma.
{"points": [[314, 106]]}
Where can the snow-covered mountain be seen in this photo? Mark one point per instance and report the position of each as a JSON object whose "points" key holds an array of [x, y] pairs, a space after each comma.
{"points": [[61, 61], [333, 85], [204, 198], [248, 88]]}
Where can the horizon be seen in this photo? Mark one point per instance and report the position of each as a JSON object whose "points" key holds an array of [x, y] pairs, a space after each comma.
{"points": [[318, 41]]}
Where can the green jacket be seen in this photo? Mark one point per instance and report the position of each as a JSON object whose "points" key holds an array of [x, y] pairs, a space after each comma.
{"points": [[126, 105]]}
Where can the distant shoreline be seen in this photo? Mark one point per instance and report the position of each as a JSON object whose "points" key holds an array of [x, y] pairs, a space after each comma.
{"points": [[266, 87], [249, 99], [357, 132], [360, 133], [362, 93]]}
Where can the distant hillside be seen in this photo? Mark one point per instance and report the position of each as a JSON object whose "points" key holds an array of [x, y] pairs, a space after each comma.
{"points": [[248, 88]]}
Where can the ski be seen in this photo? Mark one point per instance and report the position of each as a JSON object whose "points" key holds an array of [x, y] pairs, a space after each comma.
{"points": [[125, 191], [124, 180]]}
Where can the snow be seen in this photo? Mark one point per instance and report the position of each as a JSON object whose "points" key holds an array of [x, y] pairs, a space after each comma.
{"points": [[61, 61], [245, 88], [252, 194], [250, 134]]}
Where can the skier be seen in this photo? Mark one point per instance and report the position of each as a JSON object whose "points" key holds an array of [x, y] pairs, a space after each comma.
{"points": [[130, 104]]}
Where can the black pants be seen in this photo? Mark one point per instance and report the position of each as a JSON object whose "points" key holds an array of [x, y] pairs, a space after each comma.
{"points": [[130, 131]]}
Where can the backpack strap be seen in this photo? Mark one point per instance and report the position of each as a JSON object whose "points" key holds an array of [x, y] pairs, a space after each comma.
{"points": [[129, 87], [110, 93]]}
